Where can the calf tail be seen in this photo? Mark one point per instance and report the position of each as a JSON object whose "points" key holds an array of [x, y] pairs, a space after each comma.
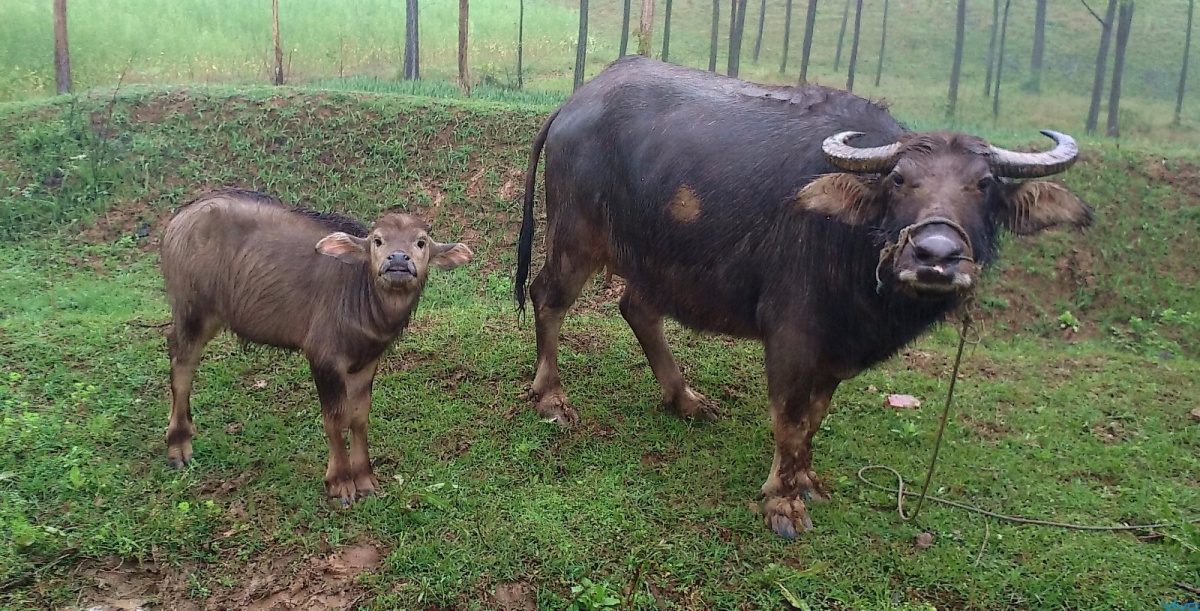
{"points": [[525, 240]]}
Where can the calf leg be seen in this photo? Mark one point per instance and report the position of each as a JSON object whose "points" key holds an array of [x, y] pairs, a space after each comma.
{"points": [[799, 401], [553, 291], [647, 325], [185, 343], [358, 390], [336, 412]]}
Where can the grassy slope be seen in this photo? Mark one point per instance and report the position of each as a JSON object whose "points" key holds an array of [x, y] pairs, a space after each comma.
{"points": [[222, 40], [1087, 431]]}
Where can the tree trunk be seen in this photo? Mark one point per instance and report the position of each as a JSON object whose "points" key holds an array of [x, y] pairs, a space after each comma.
{"points": [[809, 21], [666, 31], [736, 22], [837, 59], [62, 51], [625, 29], [581, 46], [1101, 65], [412, 46], [762, 20], [1187, 47], [1000, 59], [645, 28], [275, 36], [787, 34], [464, 81], [854, 45], [883, 44], [716, 30], [1114, 95], [991, 54], [960, 31], [1039, 46], [521, 47]]}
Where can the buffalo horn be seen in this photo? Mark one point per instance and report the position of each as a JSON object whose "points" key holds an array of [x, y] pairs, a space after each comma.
{"points": [[1035, 165], [875, 159]]}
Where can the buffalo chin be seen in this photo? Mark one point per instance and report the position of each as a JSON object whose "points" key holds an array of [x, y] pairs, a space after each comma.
{"points": [[397, 278], [912, 284]]}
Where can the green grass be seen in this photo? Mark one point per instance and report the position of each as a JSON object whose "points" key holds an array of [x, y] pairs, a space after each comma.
{"points": [[212, 41], [1094, 428]]}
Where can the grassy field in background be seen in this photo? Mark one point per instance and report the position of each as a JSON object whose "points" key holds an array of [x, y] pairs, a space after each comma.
{"points": [[205, 41], [1073, 407]]}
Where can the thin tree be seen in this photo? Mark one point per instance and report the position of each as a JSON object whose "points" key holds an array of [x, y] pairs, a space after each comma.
{"points": [[412, 46], [837, 59], [991, 54], [625, 29], [854, 45], [645, 28], [1000, 60], [1114, 95], [809, 21], [1039, 46], [1187, 47], [666, 30], [275, 37], [762, 20], [464, 82], [787, 34], [581, 46], [736, 30], [883, 44], [960, 31], [1101, 65], [521, 46], [62, 51], [716, 30]]}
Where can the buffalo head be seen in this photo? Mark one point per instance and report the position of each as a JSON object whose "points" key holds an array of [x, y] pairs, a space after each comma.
{"points": [[398, 249], [938, 198]]}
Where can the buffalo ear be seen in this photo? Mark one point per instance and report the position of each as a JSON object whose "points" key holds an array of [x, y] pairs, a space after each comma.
{"points": [[845, 197], [343, 247], [1035, 205], [450, 256]]}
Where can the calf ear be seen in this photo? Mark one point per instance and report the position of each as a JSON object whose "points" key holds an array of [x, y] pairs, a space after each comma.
{"points": [[450, 256], [343, 247], [845, 197], [1035, 205]]}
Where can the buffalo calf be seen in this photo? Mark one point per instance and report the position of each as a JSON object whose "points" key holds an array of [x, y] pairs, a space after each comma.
{"points": [[297, 279]]}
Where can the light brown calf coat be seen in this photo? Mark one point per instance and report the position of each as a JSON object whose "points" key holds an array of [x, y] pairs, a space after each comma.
{"points": [[301, 280]]}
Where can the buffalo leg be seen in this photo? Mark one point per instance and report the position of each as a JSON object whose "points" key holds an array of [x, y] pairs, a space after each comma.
{"points": [[185, 343], [336, 412], [555, 289], [358, 390], [647, 325], [799, 401]]}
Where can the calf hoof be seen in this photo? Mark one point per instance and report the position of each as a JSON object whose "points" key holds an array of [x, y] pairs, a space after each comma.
{"points": [[179, 456], [692, 404], [555, 407], [785, 515], [343, 492], [366, 485]]}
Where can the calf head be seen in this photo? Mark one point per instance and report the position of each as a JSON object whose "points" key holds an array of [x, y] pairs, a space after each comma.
{"points": [[397, 250], [939, 199]]}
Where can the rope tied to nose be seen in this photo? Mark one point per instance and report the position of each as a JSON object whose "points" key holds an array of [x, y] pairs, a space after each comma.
{"points": [[890, 250]]}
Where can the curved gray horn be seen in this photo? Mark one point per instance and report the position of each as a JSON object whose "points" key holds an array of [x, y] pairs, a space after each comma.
{"points": [[1036, 165], [846, 157]]}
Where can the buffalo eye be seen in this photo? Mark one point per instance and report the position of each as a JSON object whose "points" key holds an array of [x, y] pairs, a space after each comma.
{"points": [[378, 241], [420, 243], [898, 179], [985, 182]]}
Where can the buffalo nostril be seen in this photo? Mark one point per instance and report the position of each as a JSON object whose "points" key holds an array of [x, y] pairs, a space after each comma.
{"points": [[936, 249]]}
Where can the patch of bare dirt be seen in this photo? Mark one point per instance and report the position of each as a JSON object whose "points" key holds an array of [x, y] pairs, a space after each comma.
{"points": [[136, 219], [316, 583], [515, 595], [985, 430], [1180, 175], [1115, 431], [929, 363]]}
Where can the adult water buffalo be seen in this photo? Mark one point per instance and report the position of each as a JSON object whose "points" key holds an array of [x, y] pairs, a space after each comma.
{"points": [[743, 209], [321, 283]]}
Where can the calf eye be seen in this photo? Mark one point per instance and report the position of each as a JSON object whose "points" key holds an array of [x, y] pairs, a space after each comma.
{"points": [[898, 178], [420, 243], [378, 241]]}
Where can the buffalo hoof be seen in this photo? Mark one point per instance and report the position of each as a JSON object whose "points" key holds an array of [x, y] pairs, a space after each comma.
{"points": [[343, 492], [180, 456], [786, 516], [366, 485], [177, 462], [692, 404], [555, 407]]}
